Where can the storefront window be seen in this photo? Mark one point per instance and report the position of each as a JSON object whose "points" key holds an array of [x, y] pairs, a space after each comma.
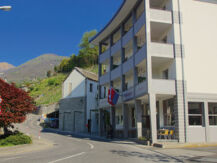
{"points": [[195, 112], [213, 114], [168, 113], [119, 117]]}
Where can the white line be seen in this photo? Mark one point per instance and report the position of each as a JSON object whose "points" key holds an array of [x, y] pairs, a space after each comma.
{"points": [[91, 145], [79, 154], [12, 158]]}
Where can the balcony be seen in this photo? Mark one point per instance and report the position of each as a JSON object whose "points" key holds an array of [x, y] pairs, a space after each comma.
{"points": [[104, 56], [161, 86], [127, 37], [116, 47], [141, 89], [128, 94], [104, 79], [128, 65], [161, 16], [116, 73], [103, 103], [141, 55], [162, 50], [139, 23]]}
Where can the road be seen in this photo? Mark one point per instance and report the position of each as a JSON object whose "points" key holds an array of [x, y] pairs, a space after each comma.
{"points": [[74, 149], [71, 149]]}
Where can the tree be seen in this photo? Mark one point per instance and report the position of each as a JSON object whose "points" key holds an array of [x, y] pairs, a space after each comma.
{"points": [[87, 56], [15, 106]]}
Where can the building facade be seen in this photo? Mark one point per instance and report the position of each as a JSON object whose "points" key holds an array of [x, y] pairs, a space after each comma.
{"points": [[79, 102], [160, 56]]}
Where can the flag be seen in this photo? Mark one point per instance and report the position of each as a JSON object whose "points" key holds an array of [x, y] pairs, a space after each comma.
{"points": [[112, 96]]}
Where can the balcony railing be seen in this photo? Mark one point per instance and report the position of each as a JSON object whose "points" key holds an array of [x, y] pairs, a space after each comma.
{"points": [[104, 79], [162, 16], [163, 86]]}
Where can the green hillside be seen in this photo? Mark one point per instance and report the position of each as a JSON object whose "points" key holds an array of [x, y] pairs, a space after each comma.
{"points": [[47, 91]]}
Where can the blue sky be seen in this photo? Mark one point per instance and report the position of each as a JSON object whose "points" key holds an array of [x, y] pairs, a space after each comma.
{"points": [[35, 27]]}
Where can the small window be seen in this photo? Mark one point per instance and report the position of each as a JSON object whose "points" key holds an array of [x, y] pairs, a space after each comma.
{"points": [[195, 113], [105, 92], [212, 114], [91, 87], [166, 74]]}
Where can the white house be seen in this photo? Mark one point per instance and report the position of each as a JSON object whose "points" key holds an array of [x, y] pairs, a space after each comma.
{"points": [[79, 102]]}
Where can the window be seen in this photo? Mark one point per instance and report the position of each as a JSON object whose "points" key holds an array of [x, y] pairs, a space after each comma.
{"points": [[140, 9], [195, 113], [105, 92], [166, 74], [212, 114], [91, 87]]}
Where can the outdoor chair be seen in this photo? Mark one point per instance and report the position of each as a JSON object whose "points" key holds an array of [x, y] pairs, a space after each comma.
{"points": [[164, 133]]}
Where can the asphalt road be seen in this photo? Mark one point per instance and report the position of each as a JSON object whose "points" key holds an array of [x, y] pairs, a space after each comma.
{"points": [[68, 148]]}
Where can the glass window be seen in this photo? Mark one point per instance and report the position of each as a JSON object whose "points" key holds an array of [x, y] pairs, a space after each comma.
{"points": [[140, 9], [91, 87], [128, 24], [212, 114], [195, 113]]}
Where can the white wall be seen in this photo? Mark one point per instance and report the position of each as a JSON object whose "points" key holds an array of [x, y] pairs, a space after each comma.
{"points": [[91, 99], [77, 82], [200, 41]]}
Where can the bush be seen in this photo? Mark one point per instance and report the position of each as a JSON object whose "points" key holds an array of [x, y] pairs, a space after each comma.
{"points": [[16, 139], [51, 82]]}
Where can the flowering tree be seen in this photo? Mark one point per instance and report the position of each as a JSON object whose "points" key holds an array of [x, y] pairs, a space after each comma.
{"points": [[15, 106]]}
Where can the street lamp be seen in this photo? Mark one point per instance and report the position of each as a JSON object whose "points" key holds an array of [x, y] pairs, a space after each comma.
{"points": [[5, 8]]}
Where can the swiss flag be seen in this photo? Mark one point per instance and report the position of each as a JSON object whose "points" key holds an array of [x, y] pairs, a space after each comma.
{"points": [[112, 96]]}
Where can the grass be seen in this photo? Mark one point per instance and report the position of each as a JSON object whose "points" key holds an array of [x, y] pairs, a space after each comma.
{"points": [[47, 91], [15, 139]]}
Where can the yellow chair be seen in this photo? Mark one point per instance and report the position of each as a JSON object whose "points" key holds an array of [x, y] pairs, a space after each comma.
{"points": [[171, 134], [164, 133]]}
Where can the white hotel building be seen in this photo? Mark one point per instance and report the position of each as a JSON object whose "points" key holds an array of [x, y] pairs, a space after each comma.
{"points": [[161, 56]]}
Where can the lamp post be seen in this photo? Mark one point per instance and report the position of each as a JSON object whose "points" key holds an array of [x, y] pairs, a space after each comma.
{"points": [[5, 8]]}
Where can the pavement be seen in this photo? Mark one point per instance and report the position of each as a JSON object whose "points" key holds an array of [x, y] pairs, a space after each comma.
{"points": [[51, 146]]}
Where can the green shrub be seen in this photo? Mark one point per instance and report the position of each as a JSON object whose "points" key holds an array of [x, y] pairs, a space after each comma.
{"points": [[16, 139], [142, 138], [51, 82]]}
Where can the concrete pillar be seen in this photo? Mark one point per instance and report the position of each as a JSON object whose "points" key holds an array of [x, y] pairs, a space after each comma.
{"points": [[161, 113], [138, 106], [100, 122], [126, 120], [112, 119], [153, 120], [206, 120]]}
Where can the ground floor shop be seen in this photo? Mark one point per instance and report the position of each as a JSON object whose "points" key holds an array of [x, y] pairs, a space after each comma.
{"points": [[161, 118]]}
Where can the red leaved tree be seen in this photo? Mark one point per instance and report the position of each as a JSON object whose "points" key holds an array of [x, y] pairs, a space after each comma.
{"points": [[15, 106]]}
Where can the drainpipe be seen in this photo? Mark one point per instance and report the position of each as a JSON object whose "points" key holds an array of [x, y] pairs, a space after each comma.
{"points": [[183, 73]]}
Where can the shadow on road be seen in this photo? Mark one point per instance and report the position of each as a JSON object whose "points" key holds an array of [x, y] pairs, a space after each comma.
{"points": [[152, 157]]}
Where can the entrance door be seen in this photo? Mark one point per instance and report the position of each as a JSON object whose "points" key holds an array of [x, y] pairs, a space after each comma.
{"points": [[67, 119], [79, 122]]}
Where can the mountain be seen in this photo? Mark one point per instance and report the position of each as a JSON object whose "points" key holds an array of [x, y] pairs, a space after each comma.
{"points": [[36, 68], [4, 66]]}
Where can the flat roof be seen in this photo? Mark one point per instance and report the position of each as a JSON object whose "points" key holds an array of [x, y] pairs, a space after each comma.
{"points": [[120, 15]]}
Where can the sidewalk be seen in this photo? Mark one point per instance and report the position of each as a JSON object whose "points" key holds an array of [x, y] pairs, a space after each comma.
{"points": [[37, 145]]}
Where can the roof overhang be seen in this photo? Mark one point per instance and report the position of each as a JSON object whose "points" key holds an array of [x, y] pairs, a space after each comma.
{"points": [[120, 15]]}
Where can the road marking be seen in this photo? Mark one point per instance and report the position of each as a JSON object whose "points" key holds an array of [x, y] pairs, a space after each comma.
{"points": [[12, 158], [65, 158], [91, 145]]}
